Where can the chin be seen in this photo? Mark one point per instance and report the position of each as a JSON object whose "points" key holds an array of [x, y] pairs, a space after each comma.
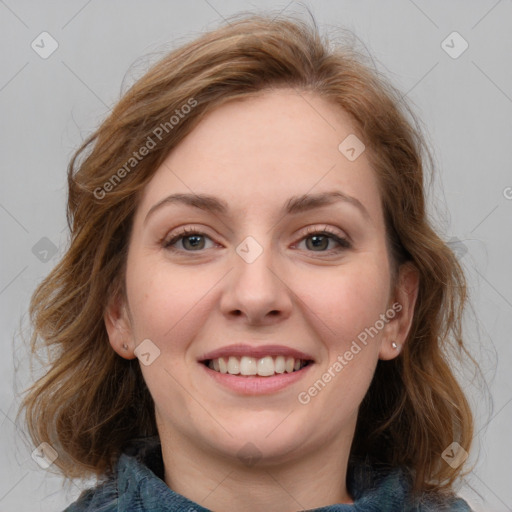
{"points": [[268, 441]]}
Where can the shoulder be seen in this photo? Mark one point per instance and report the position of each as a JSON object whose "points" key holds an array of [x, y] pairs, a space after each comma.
{"points": [[440, 503], [107, 494], [135, 485], [103, 498], [391, 490]]}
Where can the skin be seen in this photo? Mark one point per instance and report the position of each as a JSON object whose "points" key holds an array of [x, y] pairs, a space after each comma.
{"points": [[256, 154]]}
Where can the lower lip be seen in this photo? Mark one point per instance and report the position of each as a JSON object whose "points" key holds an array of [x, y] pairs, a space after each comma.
{"points": [[255, 385]]}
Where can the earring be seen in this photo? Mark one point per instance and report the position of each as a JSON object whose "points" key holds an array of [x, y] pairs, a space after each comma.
{"points": [[125, 346], [394, 345]]}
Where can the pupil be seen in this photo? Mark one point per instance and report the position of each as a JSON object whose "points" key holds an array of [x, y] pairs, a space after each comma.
{"points": [[319, 241], [196, 241]]}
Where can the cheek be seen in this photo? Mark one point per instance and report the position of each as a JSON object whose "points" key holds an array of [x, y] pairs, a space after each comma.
{"points": [[166, 306], [346, 305], [348, 300]]}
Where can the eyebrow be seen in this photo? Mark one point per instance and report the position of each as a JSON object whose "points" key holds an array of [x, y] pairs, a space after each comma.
{"points": [[295, 205]]}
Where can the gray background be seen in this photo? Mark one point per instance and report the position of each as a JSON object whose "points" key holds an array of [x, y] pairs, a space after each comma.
{"points": [[49, 105]]}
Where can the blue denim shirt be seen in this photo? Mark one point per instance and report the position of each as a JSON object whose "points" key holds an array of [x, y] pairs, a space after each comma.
{"points": [[137, 485]]}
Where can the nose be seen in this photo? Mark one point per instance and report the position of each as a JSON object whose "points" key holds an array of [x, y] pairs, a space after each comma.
{"points": [[256, 291]]}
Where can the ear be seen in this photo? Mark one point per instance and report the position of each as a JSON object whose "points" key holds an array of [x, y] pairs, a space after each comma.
{"points": [[403, 303], [118, 324]]}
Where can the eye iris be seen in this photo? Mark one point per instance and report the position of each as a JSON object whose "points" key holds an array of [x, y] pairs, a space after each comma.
{"points": [[197, 242], [318, 241]]}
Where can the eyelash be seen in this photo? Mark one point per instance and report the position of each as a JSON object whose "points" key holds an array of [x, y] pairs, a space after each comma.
{"points": [[343, 243]]}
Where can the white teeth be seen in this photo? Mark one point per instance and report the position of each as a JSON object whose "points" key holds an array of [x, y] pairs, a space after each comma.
{"points": [[233, 366], [279, 364], [264, 366], [248, 366], [223, 367]]}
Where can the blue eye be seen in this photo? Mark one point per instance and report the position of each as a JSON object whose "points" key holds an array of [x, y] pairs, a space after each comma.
{"points": [[320, 240], [191, 240]]}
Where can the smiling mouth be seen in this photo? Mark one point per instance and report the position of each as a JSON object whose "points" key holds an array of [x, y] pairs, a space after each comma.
{"points": [[267, 366]]}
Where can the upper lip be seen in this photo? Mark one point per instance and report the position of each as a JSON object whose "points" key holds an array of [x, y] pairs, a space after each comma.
{"points": [[260, 351]]}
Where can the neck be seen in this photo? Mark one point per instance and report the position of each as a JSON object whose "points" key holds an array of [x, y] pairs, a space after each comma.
{"points": [[315, 479]]}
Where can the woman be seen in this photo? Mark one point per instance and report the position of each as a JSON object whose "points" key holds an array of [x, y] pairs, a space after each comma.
{"points": [[254, 310]]}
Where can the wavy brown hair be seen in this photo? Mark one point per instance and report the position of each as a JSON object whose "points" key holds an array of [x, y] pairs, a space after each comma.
{"points": [[92, 402]]}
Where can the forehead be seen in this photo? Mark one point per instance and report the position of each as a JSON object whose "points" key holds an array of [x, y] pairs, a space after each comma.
{"points": [[264, 149]]}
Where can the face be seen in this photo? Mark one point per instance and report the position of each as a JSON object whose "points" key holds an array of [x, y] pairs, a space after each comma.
{"points": [[258, 237]]}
